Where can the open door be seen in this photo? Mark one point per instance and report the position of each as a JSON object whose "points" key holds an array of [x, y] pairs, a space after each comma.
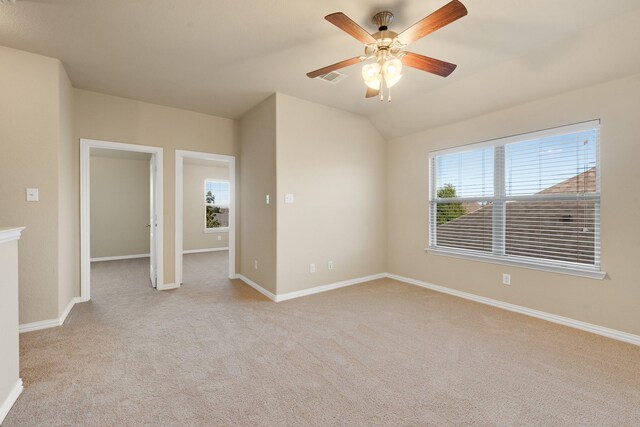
{"points": [[153, 223]]}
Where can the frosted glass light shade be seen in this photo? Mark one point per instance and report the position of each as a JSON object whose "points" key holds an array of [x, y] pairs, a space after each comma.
{"points": [[371, 75], [392, 71]]}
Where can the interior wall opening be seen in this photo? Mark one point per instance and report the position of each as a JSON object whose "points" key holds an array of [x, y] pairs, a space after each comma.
{"points": [[205, 226]]}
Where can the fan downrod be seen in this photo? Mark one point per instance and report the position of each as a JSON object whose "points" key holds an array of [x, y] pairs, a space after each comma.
{"points": [[382, 20]]}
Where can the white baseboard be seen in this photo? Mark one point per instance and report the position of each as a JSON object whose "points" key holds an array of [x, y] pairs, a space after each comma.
{"points": [[51, 323], [329, 287], [67, 310], [10, 400], [257, 287], [116, 258], [198, 251], [167, 286], [577, 324], [310, 291]]}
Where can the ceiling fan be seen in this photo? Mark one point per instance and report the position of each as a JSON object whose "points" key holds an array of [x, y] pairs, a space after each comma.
{"points": [[386, 48]]}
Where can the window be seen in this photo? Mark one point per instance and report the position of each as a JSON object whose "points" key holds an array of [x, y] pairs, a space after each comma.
{"points": [[530, 200], [216, 205]]}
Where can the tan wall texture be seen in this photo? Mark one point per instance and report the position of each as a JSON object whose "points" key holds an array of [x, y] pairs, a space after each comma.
{"points": [[258, 178], [194, 236], [612, 302], [119, 206], [34, 127], [68, 212], [334, 164], [115, 119]]}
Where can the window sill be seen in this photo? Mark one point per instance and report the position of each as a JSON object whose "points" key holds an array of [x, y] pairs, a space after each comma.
{"points": [[533, 265], [216, 230]]}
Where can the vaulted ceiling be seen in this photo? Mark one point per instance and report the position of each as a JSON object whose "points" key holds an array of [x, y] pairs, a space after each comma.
{"points": [[223, 57]]}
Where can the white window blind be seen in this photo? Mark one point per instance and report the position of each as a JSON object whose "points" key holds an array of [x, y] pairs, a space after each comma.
{"points": [[531, 199]]}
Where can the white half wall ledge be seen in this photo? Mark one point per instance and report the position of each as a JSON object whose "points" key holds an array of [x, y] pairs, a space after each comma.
{"points": [[8, 234], [565, 321], [51, 323], [11, 399]]}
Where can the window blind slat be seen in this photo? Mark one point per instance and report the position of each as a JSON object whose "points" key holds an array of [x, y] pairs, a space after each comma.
{"points": [[534, 198]]}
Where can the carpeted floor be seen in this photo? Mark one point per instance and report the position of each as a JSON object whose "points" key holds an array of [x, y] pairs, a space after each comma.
{"points": [[216, 352]]}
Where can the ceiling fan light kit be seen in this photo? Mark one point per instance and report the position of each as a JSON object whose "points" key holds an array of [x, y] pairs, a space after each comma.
{"points": [[384, 49]]}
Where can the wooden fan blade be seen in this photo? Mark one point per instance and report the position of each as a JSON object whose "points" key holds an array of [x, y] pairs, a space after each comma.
{"points": [[430, 65], [438, 19], [372, 92], [336, 66], [347, 25]]}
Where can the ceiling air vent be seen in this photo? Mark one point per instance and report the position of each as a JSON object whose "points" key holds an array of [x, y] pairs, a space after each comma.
{"points": [[333, 77]]}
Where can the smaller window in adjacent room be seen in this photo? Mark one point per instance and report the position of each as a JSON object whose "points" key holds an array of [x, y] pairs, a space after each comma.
{"points": [[530, 200], [216, 204]]}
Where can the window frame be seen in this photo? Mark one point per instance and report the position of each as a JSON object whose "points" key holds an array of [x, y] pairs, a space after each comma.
{"points": [[204, 199], [499, 200]]}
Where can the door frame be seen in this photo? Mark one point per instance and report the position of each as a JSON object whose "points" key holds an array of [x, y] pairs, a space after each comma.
{"points": [[180, 155], [85, 207]]}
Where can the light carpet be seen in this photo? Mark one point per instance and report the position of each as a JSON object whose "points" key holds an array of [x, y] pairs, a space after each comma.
{"points": [[216, 352]]}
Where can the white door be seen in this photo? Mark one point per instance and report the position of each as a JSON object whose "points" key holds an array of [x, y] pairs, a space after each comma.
{"points": [[152, 223]]}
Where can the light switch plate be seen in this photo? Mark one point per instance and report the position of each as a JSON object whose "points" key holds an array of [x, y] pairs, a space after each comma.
{"points": [[32, 195], [288, 198]]}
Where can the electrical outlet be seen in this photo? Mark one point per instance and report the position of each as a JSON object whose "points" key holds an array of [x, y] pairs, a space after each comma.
{"points": [[506, 279], [312, 268], [266, 199], [330, 265], [219, 237], [288, 198], [255, 264]]}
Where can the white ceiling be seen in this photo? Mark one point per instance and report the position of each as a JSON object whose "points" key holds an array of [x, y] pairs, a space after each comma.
{"points": [[223, 57]]}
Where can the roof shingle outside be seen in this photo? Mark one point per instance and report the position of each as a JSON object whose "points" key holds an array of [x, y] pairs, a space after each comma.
{"points": [[557, 230]]}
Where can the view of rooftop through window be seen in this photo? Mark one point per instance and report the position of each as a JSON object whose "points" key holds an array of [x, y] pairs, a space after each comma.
{"points": [[532, 197]]}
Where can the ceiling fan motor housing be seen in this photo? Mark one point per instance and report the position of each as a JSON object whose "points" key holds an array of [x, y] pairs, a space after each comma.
{"points": [[382, 20], [386, 44]]}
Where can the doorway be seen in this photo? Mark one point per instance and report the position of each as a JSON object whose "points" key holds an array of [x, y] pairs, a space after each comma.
{"points": [[154, 159], [213, 222]]}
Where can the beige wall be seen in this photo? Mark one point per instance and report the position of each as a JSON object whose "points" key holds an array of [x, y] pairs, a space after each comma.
{"points": [[9, 344], [194, 235], [119, 206], [612, 302], [68, 212], [115, 119], [258, 178], [334, 164], [34, 124]]}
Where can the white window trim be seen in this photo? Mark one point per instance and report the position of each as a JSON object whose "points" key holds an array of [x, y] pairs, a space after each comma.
{"points": [[214, 229], [499, 201]]}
